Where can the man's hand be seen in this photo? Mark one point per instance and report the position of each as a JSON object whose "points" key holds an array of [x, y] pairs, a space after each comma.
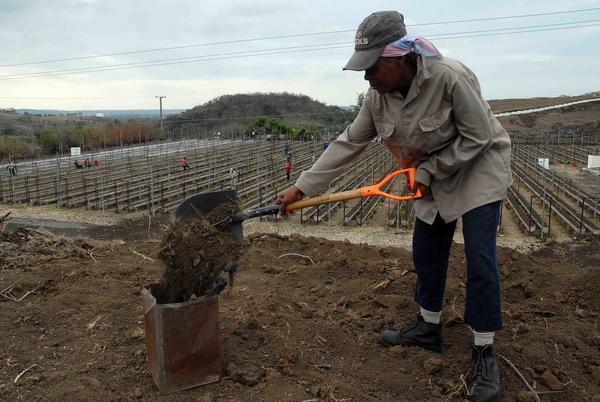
{"points": [[418, 186], [288, 196]]}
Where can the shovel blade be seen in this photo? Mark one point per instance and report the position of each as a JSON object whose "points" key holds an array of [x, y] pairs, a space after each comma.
{"points": [[200, 205]]}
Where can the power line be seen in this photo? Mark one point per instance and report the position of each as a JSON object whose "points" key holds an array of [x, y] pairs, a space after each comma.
{"points": [[508, 17], [142, 64], [150, 62], [516, 32], [293, 36], [284, 50]]}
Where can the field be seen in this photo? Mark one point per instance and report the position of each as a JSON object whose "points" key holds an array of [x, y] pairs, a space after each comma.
{"points": [[292, 328], [312, 291]]}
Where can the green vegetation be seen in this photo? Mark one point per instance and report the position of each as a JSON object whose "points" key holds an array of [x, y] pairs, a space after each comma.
{"points": [[360, 99], [264, 126]]}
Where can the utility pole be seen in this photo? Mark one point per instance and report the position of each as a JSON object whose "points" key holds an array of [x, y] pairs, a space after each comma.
{"points": [[162, 132]]}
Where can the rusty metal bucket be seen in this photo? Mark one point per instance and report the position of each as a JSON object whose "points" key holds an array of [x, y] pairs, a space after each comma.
{"points": [[182, 341]]}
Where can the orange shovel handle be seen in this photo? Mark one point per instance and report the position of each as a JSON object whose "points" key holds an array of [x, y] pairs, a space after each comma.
{"points": [[363, 192], [376, 189]]}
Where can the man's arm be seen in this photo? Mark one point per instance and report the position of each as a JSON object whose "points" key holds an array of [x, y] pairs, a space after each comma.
{"points": [[344, 149]]}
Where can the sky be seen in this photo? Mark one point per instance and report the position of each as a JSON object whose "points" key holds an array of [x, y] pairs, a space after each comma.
{"points": [[243, 46]]}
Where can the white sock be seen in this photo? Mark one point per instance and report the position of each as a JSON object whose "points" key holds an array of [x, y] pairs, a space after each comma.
{"points": [[432, 317], [483, 338]]}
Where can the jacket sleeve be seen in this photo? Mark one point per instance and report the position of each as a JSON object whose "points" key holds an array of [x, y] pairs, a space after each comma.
{"points": [[471, 117], [343, 150]]}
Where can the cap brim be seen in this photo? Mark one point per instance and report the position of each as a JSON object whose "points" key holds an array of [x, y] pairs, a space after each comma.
{"points": [[364, 59]]}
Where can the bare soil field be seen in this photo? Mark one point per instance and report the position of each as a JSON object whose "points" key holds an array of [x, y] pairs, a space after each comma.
{"points": [[292, 328]]}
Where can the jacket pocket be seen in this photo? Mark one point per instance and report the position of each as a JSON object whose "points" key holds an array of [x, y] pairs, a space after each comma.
{"points": [[438, 130], [385, 129]]}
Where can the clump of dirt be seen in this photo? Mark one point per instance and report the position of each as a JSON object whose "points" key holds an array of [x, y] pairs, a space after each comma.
{"points": [[196, 252]]}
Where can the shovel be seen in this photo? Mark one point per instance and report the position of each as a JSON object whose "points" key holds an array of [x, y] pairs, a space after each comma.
{"points": [[200, 204]]}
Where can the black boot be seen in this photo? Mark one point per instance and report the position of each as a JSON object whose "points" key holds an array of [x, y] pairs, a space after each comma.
{"points": [[421, 333], [484, 376]]}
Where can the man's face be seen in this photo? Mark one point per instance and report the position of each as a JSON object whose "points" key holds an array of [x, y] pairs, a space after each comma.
{"points": [[388, 74]]}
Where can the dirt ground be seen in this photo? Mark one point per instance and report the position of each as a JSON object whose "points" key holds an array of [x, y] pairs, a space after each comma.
{"points": [[293, 328]]}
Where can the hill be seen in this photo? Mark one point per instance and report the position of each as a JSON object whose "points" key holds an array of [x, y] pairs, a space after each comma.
{"points": [[234, 113]]}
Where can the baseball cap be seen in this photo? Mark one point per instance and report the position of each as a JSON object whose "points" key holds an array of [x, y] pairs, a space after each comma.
{"points": [[373, 34]]}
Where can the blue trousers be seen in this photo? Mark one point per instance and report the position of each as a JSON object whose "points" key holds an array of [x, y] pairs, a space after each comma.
{"points": [[431, 249]]}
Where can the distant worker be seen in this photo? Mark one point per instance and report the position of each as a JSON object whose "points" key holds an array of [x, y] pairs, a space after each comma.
{"points": [[288, 169], [12, 168], [96, 163], [78, 165], [233, 178], [184, 163], [286, 148]]}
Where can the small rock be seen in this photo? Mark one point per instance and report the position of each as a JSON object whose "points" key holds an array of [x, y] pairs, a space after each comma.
{"points": [[316, 391], [246, 376], [398, 350], [595, 371], [271, 373], [522, 328], [539, 369], [550, 381], [525, 396], [137, 393], [208, 397], [433, 365], [559, 297]]}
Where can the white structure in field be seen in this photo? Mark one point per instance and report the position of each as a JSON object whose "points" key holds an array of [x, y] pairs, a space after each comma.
{"points": [[75, 151], [544, 162], [593, 162]]}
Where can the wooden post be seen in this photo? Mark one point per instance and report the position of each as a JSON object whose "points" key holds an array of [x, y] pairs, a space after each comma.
{"points": [[128, 197], [116, 193], [85, 192], [66, 201], [27, 197]]}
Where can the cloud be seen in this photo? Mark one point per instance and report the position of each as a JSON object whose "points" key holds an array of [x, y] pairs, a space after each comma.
{"points": [[534, 64]]}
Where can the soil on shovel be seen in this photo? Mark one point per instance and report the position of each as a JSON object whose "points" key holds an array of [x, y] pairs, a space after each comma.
{"points": [[195, 252]]}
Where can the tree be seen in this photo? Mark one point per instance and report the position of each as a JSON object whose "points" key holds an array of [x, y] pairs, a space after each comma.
{"points": [[48, 140], [360, 99]]}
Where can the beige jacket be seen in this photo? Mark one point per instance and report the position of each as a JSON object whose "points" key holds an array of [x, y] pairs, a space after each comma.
{"points": [[444, 127]]}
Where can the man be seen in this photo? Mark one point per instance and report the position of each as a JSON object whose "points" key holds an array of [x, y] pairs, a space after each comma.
{"points": [[429, 111], [233, 178], [12, 168], [185, 164], [288, 169]]}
